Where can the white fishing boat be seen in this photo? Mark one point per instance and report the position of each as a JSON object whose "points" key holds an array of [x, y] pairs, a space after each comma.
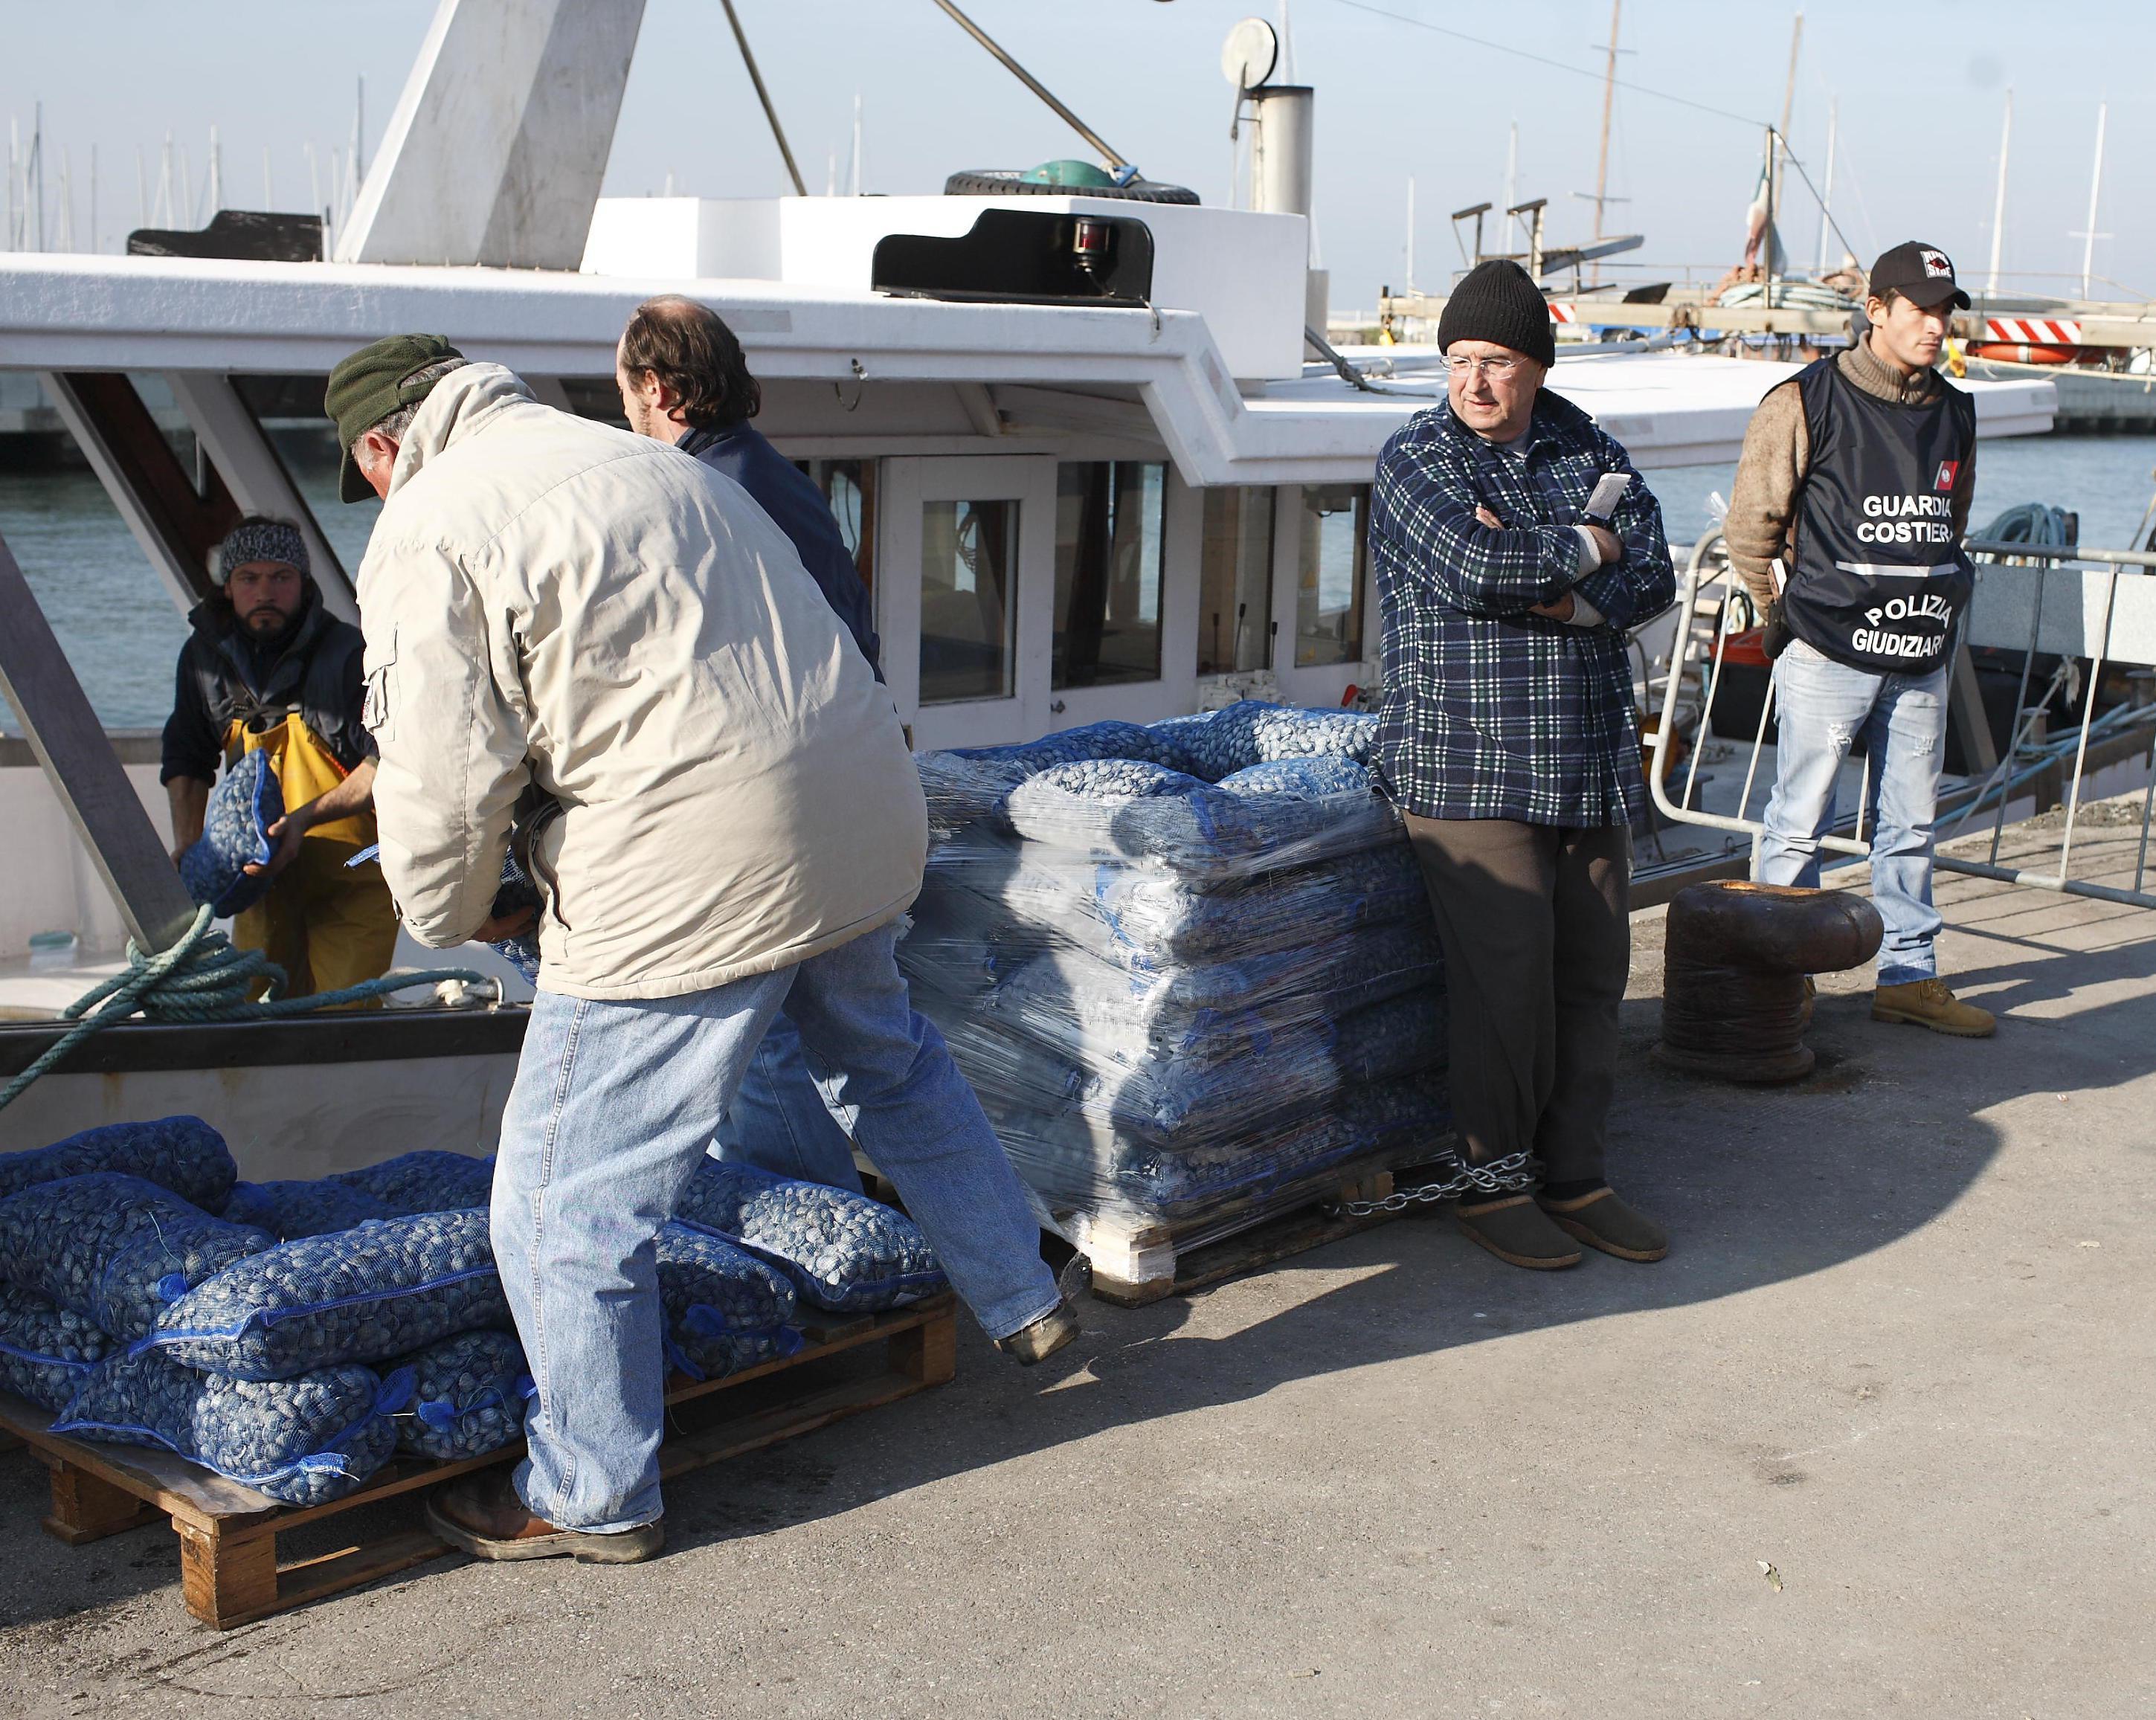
{"points": [[1091, 462]]}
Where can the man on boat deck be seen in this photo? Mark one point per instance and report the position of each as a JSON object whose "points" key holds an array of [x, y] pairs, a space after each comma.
{"points": [[1507, 737], [1855, 480], [684, 380], [267, 667], [554, 604]]}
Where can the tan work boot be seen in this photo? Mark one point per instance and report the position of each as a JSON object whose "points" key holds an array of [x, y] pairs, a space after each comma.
{"points": [[1929, 1002]]}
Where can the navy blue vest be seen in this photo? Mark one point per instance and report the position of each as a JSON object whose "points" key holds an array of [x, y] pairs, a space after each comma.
{"points": [[1880, 579]]}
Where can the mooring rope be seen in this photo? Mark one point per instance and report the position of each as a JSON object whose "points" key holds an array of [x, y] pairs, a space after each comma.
{"points": [[203, 978]]}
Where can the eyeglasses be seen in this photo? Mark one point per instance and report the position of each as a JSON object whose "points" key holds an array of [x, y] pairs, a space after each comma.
{"points": [[1497, 369]]}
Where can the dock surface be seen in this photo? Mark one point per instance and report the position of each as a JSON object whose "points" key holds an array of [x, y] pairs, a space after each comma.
{"points": [[1875, 1439]]}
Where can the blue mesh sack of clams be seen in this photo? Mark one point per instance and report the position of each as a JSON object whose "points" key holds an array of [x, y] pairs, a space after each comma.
{"points": [[365, 1295], [305, 1441], [46, 1350], [302, 1207], [247, 800], [844, 1251], [116, 1249], [182, 1153], [725, 1309], [431, 1179], [469, 1394]]}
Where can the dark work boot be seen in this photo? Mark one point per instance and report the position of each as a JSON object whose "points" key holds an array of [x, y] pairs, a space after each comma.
{"points": [[1601, 1221], [1044, 1338], [1515, 1229]]}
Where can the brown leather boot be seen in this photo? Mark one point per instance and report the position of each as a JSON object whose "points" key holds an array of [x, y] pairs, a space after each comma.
{"points": [[483, 1515], [1513, 1228], [1930, 1002]]}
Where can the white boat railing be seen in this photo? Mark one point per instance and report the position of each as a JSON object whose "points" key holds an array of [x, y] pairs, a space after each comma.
{"points": [[2084, 622]]}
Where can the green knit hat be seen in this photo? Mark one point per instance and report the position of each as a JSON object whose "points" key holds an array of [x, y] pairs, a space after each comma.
{"points": [[370, 385]]}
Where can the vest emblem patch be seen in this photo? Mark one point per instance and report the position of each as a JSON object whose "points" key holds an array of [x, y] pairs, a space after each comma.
{"points": [[1947, 470]]}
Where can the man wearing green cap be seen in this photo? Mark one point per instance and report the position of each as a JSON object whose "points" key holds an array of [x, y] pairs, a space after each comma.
{"points": [[556, 608]]}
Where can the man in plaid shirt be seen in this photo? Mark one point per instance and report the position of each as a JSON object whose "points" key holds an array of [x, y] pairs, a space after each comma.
{"points": [[1508, 738]]}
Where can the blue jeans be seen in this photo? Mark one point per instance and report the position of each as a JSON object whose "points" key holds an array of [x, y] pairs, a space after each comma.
{"points": [[614, 1105], [1823, 706], [779, 1121]]}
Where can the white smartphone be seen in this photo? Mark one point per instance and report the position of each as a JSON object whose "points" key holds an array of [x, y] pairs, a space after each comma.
{"points": [[1608, 490]]}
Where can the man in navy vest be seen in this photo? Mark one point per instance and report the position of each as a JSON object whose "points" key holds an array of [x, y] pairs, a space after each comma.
{"points": [[684, 379], [1846, 524]]}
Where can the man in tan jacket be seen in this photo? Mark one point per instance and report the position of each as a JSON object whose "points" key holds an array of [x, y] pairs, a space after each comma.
{"points": [[552, 604], [1850, 502]]}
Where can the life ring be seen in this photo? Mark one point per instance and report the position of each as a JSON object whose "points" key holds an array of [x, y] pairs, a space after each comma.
{"points": [[1004, 181], [1735, 957], [2014, 353]]}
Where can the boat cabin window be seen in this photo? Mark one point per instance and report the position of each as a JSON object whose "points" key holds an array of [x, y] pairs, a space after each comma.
{"points": [[849, 486], [1235, 581], [1108, 538], [969, 600], [1335, 556]]}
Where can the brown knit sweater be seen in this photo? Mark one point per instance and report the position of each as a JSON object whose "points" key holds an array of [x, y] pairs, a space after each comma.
{"points": [[1763, 512]]}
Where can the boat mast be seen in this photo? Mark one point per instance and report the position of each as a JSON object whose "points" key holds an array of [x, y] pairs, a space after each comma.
{"points": [[1411, 286], [1826, 188], [1609, 106], [1998, 199], [2096, 192]]}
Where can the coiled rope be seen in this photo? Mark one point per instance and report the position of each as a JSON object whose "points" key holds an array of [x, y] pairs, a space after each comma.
{"points": [[203, 978]]}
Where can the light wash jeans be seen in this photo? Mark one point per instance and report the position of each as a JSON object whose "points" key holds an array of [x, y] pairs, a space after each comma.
{"points": [[614, 1105], [779, 1121], [1822, 706]]}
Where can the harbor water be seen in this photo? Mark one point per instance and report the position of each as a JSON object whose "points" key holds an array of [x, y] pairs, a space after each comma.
{"points": [[122, 633]]}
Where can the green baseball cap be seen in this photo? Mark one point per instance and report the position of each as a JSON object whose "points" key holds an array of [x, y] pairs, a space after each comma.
{"points": [[368, 386]]}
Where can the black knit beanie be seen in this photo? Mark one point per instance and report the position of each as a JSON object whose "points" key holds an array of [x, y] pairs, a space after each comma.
{"points": [[1498, 301]]}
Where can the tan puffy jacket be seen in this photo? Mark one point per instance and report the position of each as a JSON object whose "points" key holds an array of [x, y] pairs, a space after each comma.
{"points": [[549, 600]]}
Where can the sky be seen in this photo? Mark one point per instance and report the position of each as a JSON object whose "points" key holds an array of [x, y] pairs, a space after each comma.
{"points": [[1920, 89]]}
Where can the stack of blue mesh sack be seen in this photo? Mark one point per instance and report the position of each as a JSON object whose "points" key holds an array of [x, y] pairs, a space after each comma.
{"points": [[1188, 966], [297, 1335]]}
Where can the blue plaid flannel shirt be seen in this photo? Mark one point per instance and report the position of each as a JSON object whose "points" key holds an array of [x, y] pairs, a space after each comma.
{"points": [[1490, 712]]}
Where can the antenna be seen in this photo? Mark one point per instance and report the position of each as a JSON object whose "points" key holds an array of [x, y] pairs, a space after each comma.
{"points": [[1114, 161]]}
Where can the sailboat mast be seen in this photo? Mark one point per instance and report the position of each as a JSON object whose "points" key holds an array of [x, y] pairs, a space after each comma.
{"points": [[2095, 194], [1999, 198], [1609, 106], [1826, 187]]}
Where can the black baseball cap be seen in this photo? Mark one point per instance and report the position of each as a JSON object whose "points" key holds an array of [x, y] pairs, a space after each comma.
{"points": [[1923, 273]]}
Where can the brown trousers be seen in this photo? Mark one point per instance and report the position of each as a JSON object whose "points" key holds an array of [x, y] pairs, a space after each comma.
{"points": [[1537, 946]]}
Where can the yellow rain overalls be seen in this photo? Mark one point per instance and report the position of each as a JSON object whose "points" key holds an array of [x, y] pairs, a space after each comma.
{"points": [[327, 927]]}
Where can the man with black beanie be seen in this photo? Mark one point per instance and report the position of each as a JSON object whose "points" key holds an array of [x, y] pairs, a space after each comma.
{"points": [[1508, 738]]}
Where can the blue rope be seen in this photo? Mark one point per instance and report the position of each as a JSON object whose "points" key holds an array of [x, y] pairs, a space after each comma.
{"points": [[203, 978]]}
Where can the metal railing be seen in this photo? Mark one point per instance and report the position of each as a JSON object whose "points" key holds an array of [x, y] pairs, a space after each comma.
{"points": [[2022, 764]]}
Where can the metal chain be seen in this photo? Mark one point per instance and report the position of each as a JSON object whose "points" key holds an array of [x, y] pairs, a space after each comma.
{"points": [[1514, 1171]]}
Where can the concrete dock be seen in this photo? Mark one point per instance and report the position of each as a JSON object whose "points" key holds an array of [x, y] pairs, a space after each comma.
{"points": [[1874, 1439]]}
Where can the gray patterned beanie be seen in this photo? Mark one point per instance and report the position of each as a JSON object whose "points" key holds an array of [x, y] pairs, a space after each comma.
{"points": [[260, 540]]}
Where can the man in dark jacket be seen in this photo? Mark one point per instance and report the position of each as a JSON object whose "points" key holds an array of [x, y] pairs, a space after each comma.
{"points": [[267, 667], [684, 379], [1508, 738]]}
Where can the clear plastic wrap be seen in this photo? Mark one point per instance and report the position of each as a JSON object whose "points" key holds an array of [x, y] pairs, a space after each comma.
{"points": [[1147, 919], [1190, 968], [1078, 1164]]}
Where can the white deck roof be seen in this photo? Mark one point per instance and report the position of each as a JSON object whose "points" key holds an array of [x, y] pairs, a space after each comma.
{"points": [[62, 312]]}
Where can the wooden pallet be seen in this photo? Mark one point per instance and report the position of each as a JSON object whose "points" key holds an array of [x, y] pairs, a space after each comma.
{"points": [[231, 1571], [1136, 1264]]}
